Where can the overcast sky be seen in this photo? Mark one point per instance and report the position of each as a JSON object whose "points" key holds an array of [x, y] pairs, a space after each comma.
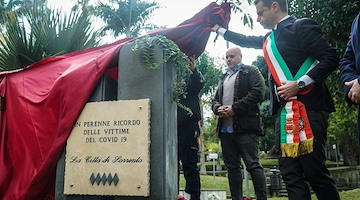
{"points": [[174, 12]]}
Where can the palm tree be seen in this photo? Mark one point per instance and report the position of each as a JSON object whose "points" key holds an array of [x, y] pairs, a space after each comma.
{"points": [[239, 6], [43, 33], [126, 17], [8, 6]]}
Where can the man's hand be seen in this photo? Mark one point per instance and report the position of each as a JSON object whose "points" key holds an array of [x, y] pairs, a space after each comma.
{"points": [[288, 89], [221, 112], [215, 28], [354, 92], [225, 111]]}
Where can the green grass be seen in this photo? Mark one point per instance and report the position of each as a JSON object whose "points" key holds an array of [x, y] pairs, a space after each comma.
{"points": [[273, 163], [207, 182], [344, 195], [221, 183], [269, 162]]}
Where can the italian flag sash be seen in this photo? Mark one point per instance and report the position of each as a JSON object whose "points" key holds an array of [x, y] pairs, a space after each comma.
{"points": [[296, 137]]}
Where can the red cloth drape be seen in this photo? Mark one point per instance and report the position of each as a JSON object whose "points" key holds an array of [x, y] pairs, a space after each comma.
{"points": [[192, 35], [41, 103]]}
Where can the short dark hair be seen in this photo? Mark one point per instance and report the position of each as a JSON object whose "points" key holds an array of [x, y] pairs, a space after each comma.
{"points": [[282, 3]]}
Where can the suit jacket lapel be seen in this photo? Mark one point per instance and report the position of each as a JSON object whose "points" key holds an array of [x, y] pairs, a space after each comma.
{"points": [[282, 25]]}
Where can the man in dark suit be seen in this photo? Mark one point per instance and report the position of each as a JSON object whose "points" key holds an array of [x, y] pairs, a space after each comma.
{"points": [[350, 67], [299, 60]]}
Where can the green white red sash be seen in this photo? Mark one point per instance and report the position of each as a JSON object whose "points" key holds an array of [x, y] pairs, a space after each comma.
{"points": [[296, 137]]}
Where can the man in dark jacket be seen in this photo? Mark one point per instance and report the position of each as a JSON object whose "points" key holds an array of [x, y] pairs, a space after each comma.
{"points": [[237, 103], [188, 130], [350, 67], [299, 60]]}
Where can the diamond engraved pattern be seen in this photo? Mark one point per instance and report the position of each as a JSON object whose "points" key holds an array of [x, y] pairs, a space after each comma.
{"points": [[92, 179], [116, 179], [103, 179], [109, 179], [97, 178]]}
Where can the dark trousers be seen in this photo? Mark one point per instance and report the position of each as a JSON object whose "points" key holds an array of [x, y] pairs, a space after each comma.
{"points": [[246, 146], [307, 169], [188, 156]]}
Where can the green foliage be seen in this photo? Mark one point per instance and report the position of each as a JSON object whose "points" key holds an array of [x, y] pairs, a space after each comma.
{"points": [[267, 141], [7, 7], [209, 67], [350, 195], [126, 16], [261, 64], [43, 33], [172, 54], [343, 120], [214, 147], [16, 6], [211, 70], [335, 17], [209, 128], [238, 6]]}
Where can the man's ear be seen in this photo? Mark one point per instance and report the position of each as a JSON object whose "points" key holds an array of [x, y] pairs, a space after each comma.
{"points": [[275, 7]]}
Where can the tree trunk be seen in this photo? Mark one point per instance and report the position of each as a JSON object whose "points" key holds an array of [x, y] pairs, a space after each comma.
{"points": [[202, 142], [272, 153], [350, 150], [202, 152]]}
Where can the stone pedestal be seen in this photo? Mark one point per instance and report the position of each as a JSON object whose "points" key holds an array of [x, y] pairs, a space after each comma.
{"points": [[136, 81]]}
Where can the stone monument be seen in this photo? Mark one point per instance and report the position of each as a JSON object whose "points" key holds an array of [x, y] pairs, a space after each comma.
{"points": [[137, 176]]}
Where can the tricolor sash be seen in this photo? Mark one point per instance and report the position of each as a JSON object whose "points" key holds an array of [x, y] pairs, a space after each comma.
{"points": [[296, 137]]}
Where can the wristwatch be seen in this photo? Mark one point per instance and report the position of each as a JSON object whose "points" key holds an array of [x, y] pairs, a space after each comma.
{"points": [[300, 84]]}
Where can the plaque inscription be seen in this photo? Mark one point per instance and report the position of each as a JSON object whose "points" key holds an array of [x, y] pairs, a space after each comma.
{"points": [[107, 152]]}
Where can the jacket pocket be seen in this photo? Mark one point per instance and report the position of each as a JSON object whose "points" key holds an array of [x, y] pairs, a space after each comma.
{"points": [[251, 123]]}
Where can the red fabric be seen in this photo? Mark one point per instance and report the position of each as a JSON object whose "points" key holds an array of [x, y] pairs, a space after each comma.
{"points": [[41, 103], [40, 106], [192, 35]]}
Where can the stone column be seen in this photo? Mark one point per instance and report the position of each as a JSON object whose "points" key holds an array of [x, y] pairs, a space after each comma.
{"points": [[136, 81]]}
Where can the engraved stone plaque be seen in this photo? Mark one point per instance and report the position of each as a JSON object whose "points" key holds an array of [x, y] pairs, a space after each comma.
{"points": [[107, 152]]}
